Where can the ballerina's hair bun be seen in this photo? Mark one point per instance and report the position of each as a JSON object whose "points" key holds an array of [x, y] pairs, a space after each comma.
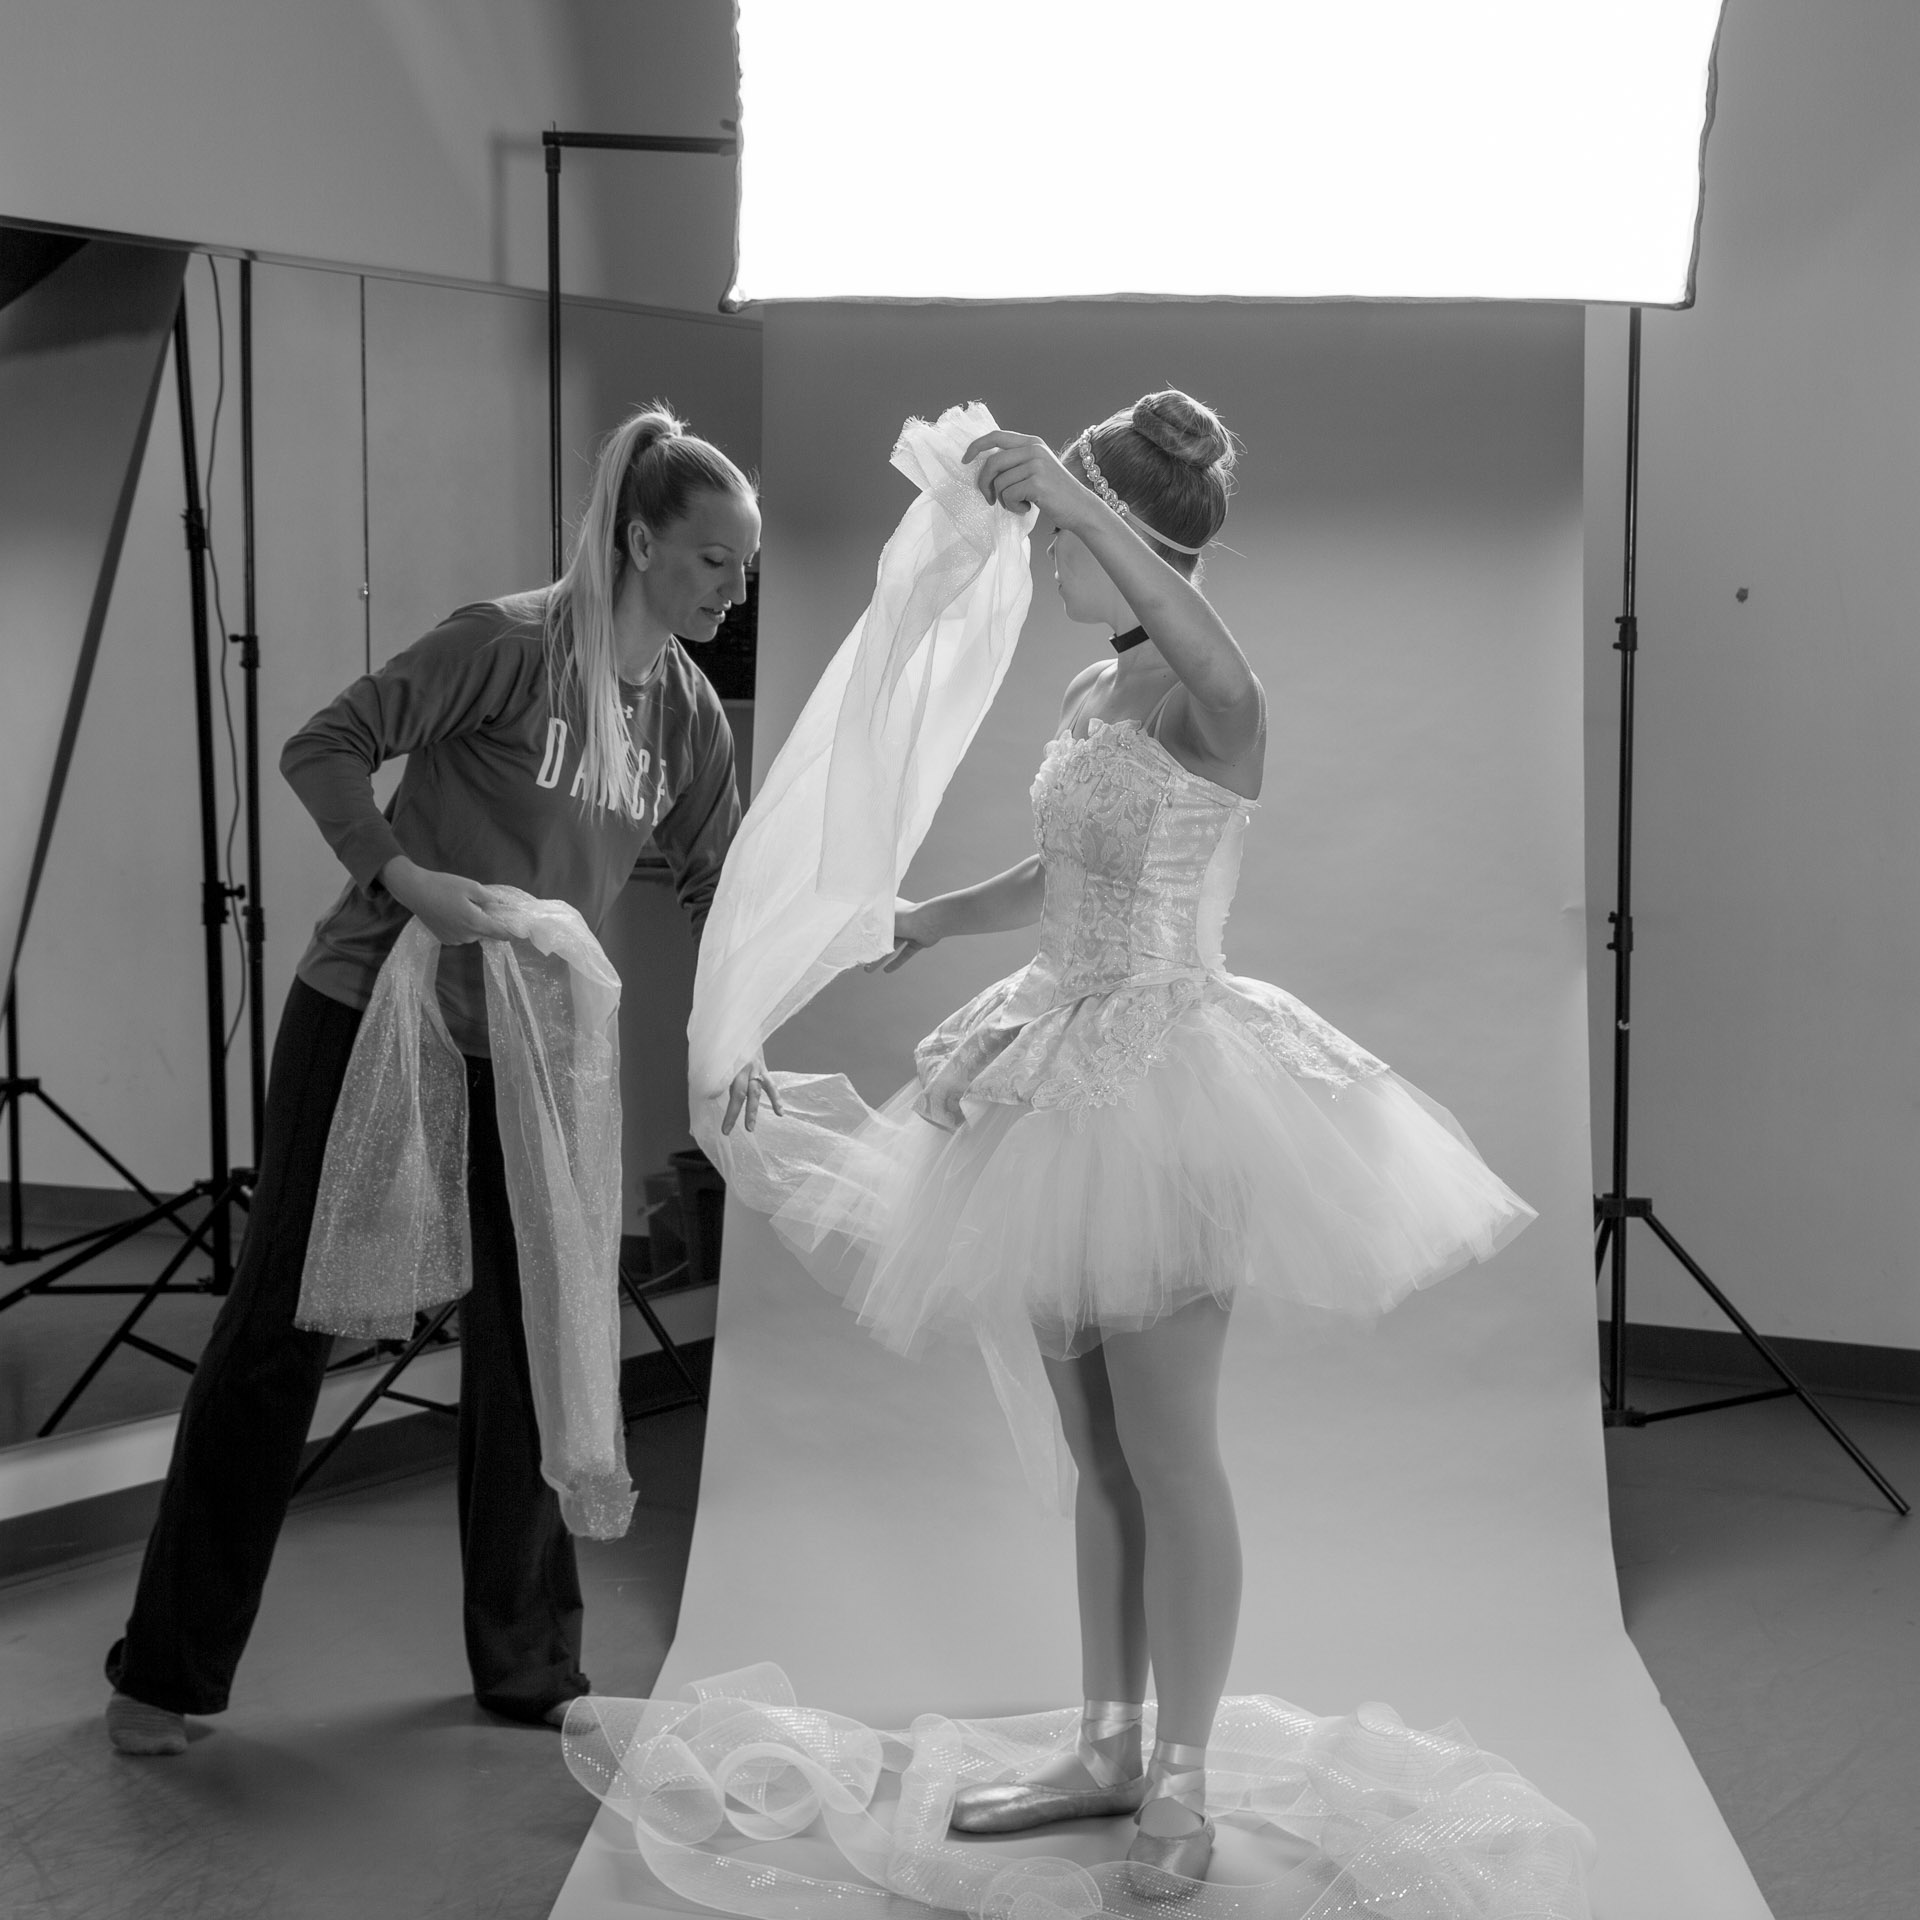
{"points": [[1170, 459], [1187, 429]]}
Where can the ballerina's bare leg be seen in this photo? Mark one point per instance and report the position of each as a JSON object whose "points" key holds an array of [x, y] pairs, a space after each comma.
{"points": [[1110, 1545], [1156, 1539]]}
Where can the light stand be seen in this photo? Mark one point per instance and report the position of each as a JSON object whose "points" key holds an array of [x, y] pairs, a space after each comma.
{"points": [[1613, 1209], [226, 1186]]}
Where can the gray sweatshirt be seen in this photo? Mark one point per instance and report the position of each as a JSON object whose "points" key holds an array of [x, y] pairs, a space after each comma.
{"points": [[489, 793]]}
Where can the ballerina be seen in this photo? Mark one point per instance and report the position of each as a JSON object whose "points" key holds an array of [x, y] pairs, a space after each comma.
{"points": [[1099, 1154]]}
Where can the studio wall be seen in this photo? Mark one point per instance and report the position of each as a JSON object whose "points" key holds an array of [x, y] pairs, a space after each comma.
{"points": [[1776, 1059], [442, 500], [400, 134]]}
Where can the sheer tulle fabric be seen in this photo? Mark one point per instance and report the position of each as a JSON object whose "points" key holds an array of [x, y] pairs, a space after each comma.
{"points": [[809, 884], [1360, 1816], [390, 1234]]}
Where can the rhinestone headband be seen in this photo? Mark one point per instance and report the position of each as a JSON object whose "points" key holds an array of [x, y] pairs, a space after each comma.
{"points": [[1099, 483]]}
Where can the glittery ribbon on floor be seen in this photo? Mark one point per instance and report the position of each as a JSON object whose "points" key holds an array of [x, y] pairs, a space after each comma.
{"points": [[1364, 1817]]}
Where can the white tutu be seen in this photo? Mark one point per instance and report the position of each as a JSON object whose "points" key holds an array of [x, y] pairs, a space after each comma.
{"points": [[1175, 1140]]}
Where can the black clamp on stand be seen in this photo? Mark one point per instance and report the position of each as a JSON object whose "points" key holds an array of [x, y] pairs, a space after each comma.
{"points": [[1612, 1210]]}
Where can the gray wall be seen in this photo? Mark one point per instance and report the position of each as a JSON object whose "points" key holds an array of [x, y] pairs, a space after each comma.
{"points": [[390, 133], [1777, 1056]]}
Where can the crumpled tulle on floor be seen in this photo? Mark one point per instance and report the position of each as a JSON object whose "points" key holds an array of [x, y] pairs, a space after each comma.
{"points": [[1363, 1818], [390, 1232]]}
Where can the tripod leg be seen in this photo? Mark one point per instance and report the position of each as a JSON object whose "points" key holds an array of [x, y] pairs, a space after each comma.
{"points": [[663, 1337], [338, 1437], [1758, 1342], [74, 1127], [121, 1333]]}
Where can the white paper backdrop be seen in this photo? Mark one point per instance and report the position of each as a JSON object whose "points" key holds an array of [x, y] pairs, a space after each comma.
{"points": [[1424, 1507]]}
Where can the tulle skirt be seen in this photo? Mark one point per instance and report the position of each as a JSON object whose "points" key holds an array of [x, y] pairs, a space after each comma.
{"points": [[1128, 1153]]}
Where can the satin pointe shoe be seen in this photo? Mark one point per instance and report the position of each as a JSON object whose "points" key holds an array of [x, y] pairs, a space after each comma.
{"points": [[1108, 1728], [1178, 1774]]}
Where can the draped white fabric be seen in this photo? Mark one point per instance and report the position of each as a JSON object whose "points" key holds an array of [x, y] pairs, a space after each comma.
{"points": [[809, 885], [1354, 1817], [390, 1234]]}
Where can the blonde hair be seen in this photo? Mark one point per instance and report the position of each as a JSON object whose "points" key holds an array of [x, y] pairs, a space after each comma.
{"points": [[650, 469]]}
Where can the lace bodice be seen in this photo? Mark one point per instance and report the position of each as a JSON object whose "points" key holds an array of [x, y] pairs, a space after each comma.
{"points": [[1142, 857]]}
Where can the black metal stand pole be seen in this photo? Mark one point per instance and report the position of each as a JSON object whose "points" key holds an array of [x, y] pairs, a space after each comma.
{"points": [[16, 1224], [213, 889], [249, 641], [553, 345], [1612, 1210]]}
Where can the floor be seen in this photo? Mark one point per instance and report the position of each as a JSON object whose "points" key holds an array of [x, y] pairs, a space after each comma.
{"points": [[1772, 1596], [1776, 1601]]}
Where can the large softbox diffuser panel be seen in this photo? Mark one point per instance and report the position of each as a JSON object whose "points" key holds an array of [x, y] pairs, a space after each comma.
{"points": [[1270, 149], [80, 356]]}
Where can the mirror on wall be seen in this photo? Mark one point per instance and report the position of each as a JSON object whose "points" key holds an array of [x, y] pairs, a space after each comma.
{"points": [[400, 471]]}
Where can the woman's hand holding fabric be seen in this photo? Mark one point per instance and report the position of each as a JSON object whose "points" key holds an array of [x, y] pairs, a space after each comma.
{"points": [[744, 1094], [1019, 470], [913, 932], [453, 909]]}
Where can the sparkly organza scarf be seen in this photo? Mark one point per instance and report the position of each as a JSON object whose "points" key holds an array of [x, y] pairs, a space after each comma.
{"points": [[390, 1237]]}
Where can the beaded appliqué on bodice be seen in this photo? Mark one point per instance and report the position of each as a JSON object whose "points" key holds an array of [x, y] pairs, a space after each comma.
{"points": [[1142, 856]]}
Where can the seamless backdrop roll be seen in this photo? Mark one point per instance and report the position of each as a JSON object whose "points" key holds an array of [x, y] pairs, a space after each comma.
{"points": [[1424, 1506]]}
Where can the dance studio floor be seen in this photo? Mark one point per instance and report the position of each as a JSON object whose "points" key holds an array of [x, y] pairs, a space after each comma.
{"points": [[1770, 1595]]}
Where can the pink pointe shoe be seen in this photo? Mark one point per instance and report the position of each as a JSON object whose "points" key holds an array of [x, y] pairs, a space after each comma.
{"points": [[1164, 1865], [1108, 1749]]}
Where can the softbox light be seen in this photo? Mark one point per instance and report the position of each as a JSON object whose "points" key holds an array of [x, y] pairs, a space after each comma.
{"points": [[1263, 149]]}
